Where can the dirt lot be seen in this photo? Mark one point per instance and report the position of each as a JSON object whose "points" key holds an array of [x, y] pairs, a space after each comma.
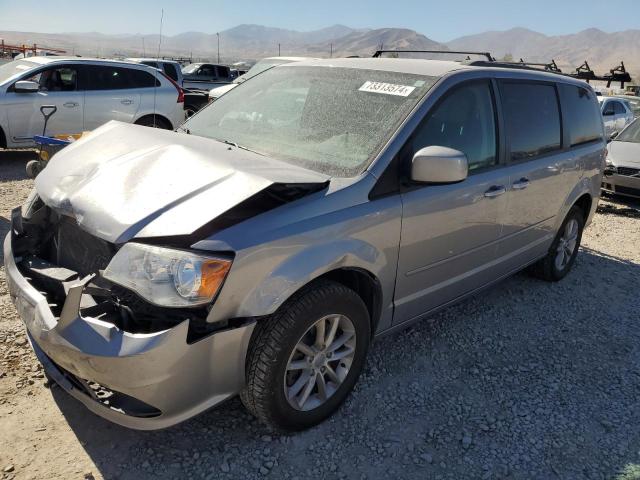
{"points": [[528, 380]]}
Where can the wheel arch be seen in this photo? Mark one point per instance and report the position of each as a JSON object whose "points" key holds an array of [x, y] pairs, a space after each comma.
{"points": [[3, 138], [157, 116], [366, 286], [584, 195], [364, 283], [584, 202]]}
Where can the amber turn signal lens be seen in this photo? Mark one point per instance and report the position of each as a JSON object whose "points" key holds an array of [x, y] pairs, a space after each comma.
{"points": [[213, 273]]}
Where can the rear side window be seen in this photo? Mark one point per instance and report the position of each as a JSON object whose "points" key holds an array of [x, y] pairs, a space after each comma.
{"points": [[141, 79], [223, 72], [582, 114], [151, 64], [619, 109], [532, 119], [118, 78], [171, 71]]}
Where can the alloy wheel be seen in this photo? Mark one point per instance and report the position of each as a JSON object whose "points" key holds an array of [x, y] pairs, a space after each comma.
{"points": [[320, 362]]}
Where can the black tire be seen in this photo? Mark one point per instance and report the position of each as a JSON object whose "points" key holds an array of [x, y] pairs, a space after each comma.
{"points": [[546, 268], [34, 167], [273, 342], [154, 121], [190, 110]]}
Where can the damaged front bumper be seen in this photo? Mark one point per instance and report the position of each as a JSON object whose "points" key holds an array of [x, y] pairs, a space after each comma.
{"points": [[140, 380]]}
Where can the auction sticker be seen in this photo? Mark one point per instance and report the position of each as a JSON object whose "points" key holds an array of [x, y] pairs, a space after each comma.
{"points": [[387, 88]]}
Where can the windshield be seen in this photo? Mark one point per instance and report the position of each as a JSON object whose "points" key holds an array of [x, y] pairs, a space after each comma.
{"points": [[630, 134], [332, 120], [10, 69], [191, 68]]}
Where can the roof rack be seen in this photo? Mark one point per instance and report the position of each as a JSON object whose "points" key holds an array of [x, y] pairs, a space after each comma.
{"points": [[583, 72], [616, 74], [379, 53]]}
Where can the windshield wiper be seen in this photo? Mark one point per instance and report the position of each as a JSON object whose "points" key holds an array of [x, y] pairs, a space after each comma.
{"points": [[242, 147], [185, 130]]}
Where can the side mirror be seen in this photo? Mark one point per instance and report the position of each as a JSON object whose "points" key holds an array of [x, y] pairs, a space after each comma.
{"points": [[613, 135], [437, 164], [608, 113], [26, 86]]}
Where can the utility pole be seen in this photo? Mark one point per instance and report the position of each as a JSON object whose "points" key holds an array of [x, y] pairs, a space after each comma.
{"points": [[144, 51], [218, 35], [331, 51], [278, 49]]}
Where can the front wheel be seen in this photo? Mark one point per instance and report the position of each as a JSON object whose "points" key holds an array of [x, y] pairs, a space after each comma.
{"points": [[304, 360], [564, 249]]}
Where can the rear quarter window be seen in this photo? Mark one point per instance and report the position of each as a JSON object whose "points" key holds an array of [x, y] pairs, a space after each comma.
{"points": [[532, 119], [581, 114], [171, 71]]}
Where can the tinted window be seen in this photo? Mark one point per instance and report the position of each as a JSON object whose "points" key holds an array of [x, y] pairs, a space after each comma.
{"points": [[582, 114], [618, 108], [532, 119], [465, 121], [224, 72], [151, 64], [142, 79], [118, 78], [207, 71], [608, 109], [171, 71]]}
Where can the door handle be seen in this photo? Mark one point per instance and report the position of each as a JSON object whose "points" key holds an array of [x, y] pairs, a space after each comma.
{"points": [[495, 191], [71, 104], [126, 101], [521, 184]]}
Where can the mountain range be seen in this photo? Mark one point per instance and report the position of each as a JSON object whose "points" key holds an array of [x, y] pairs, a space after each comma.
{"points": [[249, 42]]}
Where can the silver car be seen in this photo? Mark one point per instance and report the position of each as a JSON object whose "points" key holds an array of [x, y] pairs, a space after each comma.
{"points": [[622, 175], [87, 93], [616, 114], [261, 248]]}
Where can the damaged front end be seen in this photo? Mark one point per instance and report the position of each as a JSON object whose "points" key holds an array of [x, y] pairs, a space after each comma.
{"points": [[135, 363], [55, 254]]}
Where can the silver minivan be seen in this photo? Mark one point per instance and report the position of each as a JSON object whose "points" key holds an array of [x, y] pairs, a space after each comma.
{"points": [[262, 247]]}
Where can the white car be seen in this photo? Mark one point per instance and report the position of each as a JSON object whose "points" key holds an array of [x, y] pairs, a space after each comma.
{"points": [[616, 114], [261, 66], [87, 93]]}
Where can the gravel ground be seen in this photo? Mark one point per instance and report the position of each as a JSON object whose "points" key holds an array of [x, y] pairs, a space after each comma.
{"points": [[528, 380]]}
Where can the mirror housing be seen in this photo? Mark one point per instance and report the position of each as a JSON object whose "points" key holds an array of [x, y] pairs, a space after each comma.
{"points": [[437, 164], [613, 135], [608, 113], [26, 86]]}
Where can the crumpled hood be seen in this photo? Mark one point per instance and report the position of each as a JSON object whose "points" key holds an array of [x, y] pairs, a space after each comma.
{"points": [[125, 181], [624, 153]]}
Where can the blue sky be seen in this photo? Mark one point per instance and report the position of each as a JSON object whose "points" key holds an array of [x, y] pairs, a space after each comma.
{"points": [[440, 20]]}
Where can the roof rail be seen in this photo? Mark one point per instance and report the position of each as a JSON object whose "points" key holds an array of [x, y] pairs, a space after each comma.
{"points": [[379, 53]]}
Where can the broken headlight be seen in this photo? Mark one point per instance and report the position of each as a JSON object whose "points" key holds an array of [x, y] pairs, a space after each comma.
{"points": [[168, 277]]}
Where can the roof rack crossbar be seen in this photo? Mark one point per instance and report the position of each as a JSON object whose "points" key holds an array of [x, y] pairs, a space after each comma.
{"points": [[379, 53]]}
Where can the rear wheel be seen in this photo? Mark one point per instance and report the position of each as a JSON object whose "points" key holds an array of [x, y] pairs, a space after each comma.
{"points": [[564, 249], [304, 360], [154, 121]]}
